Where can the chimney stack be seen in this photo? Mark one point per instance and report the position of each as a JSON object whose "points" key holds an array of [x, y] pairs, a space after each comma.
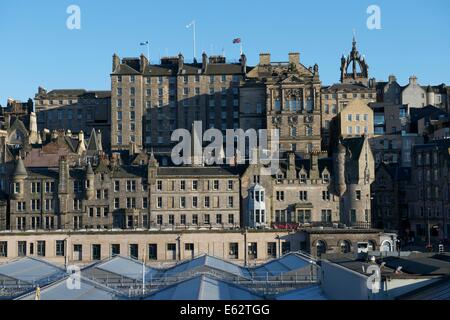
{"points": [[264, 59], [116, 62], [144, 63], [294, 58]]}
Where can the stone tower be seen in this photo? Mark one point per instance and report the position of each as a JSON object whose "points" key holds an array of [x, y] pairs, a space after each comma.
{"points": [[359, 70], [90, 177]]}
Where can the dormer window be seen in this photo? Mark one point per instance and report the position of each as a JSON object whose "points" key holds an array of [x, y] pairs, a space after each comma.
{"points": [[303, 178], [326, 178]]}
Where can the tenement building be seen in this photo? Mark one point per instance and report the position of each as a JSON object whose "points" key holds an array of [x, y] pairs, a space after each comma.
{"points": [[119, 194], [284, 96], [149, 102], [429, 192], [83, 112]]}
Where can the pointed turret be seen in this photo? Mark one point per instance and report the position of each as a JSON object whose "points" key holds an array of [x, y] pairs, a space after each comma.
{"points": [[20, 171]]}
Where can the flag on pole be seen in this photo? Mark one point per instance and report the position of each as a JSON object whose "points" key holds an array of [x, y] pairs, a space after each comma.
{"points": [[144, 43], [237, 40]]}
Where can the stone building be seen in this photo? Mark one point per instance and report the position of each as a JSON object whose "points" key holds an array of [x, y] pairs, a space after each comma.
{"points": [[389, 204], [170, 247], [355, 85], [89, 110], [111, 195], [414, 95], [355, 120], [44, 100], [286, 96], [389, 92], [429, 191], [150, 101], [315, 190]]}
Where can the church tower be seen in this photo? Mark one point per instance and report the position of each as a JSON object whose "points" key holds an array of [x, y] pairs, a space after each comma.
{"points": [[354, 69]]}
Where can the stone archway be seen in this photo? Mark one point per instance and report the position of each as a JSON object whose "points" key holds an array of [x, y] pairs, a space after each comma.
{"points": [[321, 247], [345, 246]]}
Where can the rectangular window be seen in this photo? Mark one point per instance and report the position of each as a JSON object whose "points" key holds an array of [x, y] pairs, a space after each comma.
{"points": [[78, 252], [303, 195], [271, 249], [183, 219], [96, 252], [231, 218], [60, 248], [207, 219], [218, 218], [159, 219], [41, 248], [280, 195], [152, 251], [115, 250], [230, 202], [134, 251], [233, 250], [3, 249], [207, 202], [195, 219], [22, 248]]}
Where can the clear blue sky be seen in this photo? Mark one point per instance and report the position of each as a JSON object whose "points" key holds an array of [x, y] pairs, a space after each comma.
{"points": [[38, 50]]}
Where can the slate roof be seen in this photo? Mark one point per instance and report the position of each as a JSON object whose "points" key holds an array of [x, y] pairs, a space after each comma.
{"points": [[20, 168], [306, 164], [196, 171], [66, 92], [345, 87], [429, 111], [45, 173]]}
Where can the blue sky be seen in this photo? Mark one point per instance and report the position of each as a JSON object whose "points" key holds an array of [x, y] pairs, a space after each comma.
{"points": [[37, 49]]}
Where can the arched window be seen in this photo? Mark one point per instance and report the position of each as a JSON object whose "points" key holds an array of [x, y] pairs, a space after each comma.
{"points": [[321, 247], [371, 246], [346, 246], [386, 246]]}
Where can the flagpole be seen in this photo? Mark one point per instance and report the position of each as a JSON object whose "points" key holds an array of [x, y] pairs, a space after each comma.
{"points": [[195, 40], [193, 25]]}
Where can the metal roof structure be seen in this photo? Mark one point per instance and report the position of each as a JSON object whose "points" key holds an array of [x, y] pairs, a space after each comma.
{"points": [[285, 264], [60, 290], [308, 293], [208, 262], [31, 271], [204, 287], [126, 267]]}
